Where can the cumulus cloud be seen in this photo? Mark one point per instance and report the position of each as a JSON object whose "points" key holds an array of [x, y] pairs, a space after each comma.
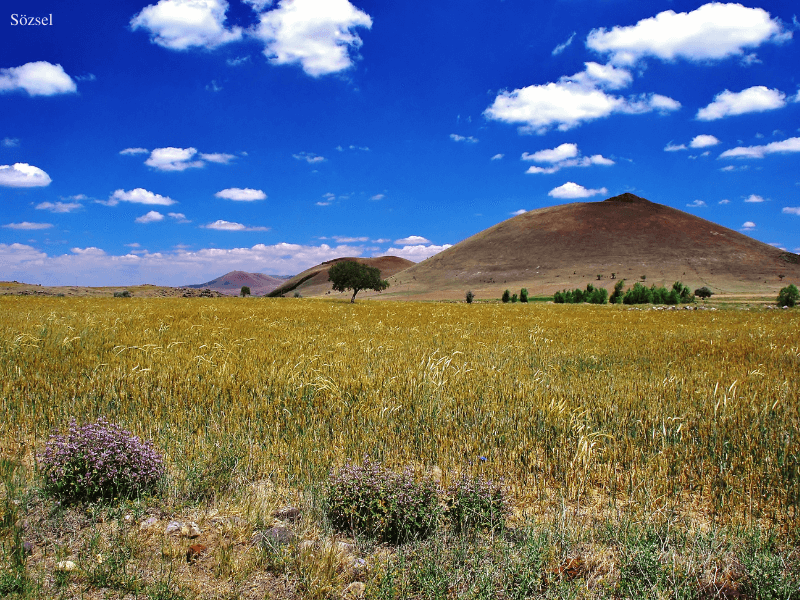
{"points": [[319, 35], [132, 151], [221, 225], [416, 253], [782, 147], [309, 157], [151, 217], [712, 32], [791, 210], [28, 225], [574, 100], [138, 196], [748, 226], [754, 199], [182, 24], [460, 138], [413, 240], [241, 194], [179, 217], [178, 267], [173, 159], [697, 204], [572, 190], [754, 99], [37, 79], [23, 175], [561, 157], [703, 141], [59, 207], [561, 47]]}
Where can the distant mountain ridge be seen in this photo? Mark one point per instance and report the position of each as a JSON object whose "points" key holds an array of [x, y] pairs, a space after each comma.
{"points": [[231, 283]]}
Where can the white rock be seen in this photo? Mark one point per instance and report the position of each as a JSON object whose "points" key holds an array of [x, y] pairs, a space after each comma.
{"points": [[148, 523], [66, 566], [190, 530], [173, 527]]}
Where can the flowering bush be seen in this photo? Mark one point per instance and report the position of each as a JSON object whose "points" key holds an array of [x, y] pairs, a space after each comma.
{"points": [[99, 460], [475, 503], [385, 505]]}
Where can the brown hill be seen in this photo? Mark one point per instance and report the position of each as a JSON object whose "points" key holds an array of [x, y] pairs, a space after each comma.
{"points": [[314, 281], [231, 283], [569, 245]]}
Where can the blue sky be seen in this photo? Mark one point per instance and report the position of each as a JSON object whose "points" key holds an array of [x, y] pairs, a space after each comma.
{"points": [[174, 141]]}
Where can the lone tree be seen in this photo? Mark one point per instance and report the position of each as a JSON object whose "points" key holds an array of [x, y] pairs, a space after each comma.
{"points": [[245, 291], [703, 292], [350, 275]]}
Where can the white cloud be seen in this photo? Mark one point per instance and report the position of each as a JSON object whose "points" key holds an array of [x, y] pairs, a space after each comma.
{"points": [[521, 211], [221, 225], [28, 225], [132, 151], [782, 147], [748, 226], [217, 157], [9, 142], [697, 204], [561, 47], [754, 99], [416, 253], [37, 79], [319, 35], [139, 196], [558, 154], [724, 201], [182, 24], [235, 62], [59, 207], [241, 194], [498, 157], [309, 157], [573, 100], [412, 240], [460, 138], [23, 175], [674, 147], [348, 240], [151, 217], [712, 32], [572, 190], [173, 159], [791, 210], [179, 217], [178, 267], [703, 141], [561, 157], [754, 199], [378, 197]]}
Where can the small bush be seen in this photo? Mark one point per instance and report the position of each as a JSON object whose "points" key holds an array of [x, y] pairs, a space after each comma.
{"points": [[703, 293], [475, 503], [617, 294], [99, 461], [470, 297], [514, 298], [506, 296], [381, 504], [122, 294], [523, 295], [788, 296]]}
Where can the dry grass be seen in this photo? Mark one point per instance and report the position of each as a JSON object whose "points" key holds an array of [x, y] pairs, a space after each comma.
{"points": [[593, 416]]}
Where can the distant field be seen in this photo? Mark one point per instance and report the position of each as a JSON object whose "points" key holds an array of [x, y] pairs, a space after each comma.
{"points": [[596, 408]]}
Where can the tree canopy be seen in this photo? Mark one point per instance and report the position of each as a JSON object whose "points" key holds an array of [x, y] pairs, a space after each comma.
{"points": [[350, 275]]}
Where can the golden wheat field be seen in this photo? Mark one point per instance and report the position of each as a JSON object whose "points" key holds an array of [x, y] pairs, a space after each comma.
{"points": [[637, 408]]}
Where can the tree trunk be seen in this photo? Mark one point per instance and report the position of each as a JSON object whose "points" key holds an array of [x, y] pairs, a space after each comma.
{"points": [[353, 299]]}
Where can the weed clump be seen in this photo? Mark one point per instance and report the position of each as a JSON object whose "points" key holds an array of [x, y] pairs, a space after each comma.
{"points": [[380, 504], [476, 503], [99, 461]]}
